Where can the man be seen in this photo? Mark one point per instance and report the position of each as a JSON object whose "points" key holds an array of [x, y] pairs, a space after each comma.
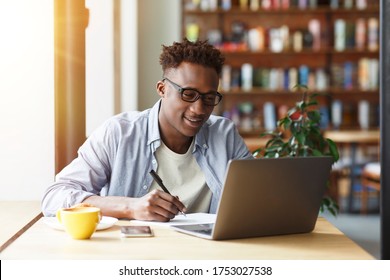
{"points": [[177, 137]]}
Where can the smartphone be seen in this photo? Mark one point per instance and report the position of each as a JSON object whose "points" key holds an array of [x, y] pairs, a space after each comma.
{"points": [[136, 231]]}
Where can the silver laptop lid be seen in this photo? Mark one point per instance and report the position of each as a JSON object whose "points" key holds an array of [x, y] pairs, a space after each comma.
{"points": [[271, 196]]}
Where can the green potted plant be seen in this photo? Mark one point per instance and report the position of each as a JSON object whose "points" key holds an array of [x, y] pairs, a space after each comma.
{"points": [[298, 134]]}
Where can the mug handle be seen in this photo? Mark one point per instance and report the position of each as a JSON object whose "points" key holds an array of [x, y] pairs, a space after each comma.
{"points": [[58, 214]]}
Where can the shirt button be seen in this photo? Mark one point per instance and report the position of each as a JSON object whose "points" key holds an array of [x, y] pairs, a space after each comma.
{"points": [[145, 187], [205, 146], [154, 161]]}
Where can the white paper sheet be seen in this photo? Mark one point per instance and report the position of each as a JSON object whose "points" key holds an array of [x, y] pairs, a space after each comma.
{"points": [[190, 219]]}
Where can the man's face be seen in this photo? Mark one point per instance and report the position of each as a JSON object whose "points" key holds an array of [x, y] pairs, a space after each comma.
{"points": [[179, 119]]}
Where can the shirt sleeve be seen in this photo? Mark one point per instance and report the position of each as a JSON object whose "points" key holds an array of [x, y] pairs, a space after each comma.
{"points": [[86, 175], [241, 150]]}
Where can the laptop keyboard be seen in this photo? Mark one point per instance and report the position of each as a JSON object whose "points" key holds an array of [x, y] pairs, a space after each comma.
{"points": [[204, 228]]}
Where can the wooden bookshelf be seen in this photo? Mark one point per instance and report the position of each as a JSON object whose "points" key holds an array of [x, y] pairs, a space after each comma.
{"points": [[344, 70]]}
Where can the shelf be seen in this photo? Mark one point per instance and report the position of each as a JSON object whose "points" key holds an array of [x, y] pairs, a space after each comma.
{"points": [[262, 92], [353, 11], [287, 30], [331, 91], [328, 51], [292, 11], [267, 52]]}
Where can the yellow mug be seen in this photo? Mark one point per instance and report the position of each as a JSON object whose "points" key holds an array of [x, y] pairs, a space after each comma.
{"points": [[79, 222]]}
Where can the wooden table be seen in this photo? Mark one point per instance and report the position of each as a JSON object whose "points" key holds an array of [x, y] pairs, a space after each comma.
{"points": [[15, 218], [43, 242], [353, 138]]}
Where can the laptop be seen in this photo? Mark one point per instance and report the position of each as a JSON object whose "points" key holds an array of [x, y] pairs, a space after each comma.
{"points": [[267, 196]]}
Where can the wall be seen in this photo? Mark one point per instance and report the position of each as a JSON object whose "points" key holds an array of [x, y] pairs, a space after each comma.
{"points": [[143, 32], [99, 63], [157, 26], [26, 98]]}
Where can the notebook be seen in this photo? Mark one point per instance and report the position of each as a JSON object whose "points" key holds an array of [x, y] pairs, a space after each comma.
{"points": [[267, 196]]}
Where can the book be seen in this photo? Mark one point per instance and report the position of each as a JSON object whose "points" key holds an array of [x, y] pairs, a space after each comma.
{"points": [[373, 74], [265, 77], [348, 75], [256, 39], [254, 5], [311, 81], [292, 77], [337, 75], [246, 76], [192, 32], [315, 30], [334, 4], [374, 117], [303, 75], [361, 4], [302, 4], [350, 35], [226, 4], [373, 34], [243, 4], [324, 113], [269, 116], [363, 78], [313, 4], [257, 77], [214, 36], [307, 39], [285, 4], [273, 79], [213, 5], [321, 79], [235, 79], [275, 4], [226, 77], [275, 40], [284, 33], [360, 34], [286, 79], [364, 114], [266, 4], [339, 34], [297, 41], [349, 114], [348, 4], [336, 113], [280, 78], [324, 121]]}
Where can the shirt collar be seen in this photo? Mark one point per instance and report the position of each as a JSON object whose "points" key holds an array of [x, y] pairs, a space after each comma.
{"points": [[154, 132]]}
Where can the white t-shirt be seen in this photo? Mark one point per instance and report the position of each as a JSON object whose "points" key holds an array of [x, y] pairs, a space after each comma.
{"points": [[183, 177]]}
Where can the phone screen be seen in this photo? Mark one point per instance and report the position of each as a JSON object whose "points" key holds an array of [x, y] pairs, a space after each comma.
{"points": [[136, 231]]}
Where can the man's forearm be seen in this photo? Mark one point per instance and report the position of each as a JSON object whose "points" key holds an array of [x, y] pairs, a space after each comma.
{"points": [[113, 206]]}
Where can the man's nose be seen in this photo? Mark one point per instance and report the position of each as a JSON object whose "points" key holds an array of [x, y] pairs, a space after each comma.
{"points": [[198, 106]]}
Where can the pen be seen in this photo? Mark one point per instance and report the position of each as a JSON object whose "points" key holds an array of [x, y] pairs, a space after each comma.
{"points": [[160, 183]]}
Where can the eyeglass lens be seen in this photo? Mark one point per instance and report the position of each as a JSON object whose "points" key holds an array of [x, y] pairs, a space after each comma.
{"points": [[191, 95]]}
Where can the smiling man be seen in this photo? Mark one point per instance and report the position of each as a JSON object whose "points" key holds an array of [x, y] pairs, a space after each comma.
{"points": [[178, 138]]}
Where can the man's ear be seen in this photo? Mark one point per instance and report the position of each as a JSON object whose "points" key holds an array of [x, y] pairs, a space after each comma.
{"points": [[160, 87]]}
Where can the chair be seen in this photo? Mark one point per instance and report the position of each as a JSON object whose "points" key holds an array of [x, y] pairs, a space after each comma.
{"points": [[370, 178]]}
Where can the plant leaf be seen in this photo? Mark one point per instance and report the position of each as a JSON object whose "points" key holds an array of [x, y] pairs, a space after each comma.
{"points": [[304, 137], [333, 149]]}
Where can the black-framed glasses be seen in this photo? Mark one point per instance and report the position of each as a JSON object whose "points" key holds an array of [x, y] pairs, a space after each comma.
{"points": [[192, 94]]}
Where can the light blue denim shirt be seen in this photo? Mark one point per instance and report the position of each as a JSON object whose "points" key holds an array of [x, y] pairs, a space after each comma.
{"points": [[116, 159]]}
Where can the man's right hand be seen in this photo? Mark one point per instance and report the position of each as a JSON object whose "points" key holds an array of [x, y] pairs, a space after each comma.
{"points": [[154, 206]]}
